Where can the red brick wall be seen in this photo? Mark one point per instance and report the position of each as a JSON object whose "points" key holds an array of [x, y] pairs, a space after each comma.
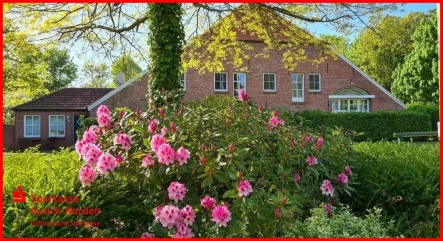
{"points": [[68, 140], [132, 96], [335, 74], [9, 139]]}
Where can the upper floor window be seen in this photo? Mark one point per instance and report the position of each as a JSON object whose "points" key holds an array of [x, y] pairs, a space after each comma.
{"points": [[220, 82], [32, 126], [269, 82], [314, 82], [298, 88], [239, 82], [56, 126]]}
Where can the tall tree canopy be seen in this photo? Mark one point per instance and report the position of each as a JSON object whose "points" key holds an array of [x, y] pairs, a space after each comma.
{"points": [[380, 50], [127, 66], [95, 75], [113, 27], [416, 80], [30, 70]]}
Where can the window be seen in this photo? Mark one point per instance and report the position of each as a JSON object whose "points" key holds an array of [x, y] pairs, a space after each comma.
{"points": [[239, 81], [269, 83], [56, 126], [314, 83], [350, 105], [183, 80], [298, 88], [220, 82], [32, 126]]}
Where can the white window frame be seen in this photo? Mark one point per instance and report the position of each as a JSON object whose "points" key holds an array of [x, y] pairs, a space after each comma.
{"points": [[319, 82], [49, 126], [233, 81], [302, 98], [275, 82], [184, 81], [338, 110], [32, 125], [227, 82]]}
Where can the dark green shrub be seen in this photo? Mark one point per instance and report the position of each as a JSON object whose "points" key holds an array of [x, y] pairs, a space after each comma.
{"points": [[372, 126], [342, 224], [404, 181], [432, 110]]}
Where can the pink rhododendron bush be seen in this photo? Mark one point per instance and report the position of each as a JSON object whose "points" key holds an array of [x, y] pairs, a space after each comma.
{"points": [[222, 167]]}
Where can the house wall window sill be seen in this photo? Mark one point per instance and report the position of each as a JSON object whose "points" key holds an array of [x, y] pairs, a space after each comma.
{"points": [[270, 92], [221, 92]]}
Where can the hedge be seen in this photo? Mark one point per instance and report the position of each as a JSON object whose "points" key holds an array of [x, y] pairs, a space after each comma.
{"points": [[372, 126], [432, 110]]}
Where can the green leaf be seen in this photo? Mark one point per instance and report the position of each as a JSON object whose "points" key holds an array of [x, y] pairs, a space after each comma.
{"points": [[222, 177], [147, 143], [138, 129], [230, 194], [207, 182]]}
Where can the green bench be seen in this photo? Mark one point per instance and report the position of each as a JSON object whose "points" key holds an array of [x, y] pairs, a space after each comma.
{"points": [[402, 135]]}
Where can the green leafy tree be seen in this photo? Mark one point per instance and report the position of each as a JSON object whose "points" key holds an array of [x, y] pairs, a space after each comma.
{"points": [[340, 43], [96, 75], [416, 81], [126, 65], [61, 68], [378, 51], [166, 46]]}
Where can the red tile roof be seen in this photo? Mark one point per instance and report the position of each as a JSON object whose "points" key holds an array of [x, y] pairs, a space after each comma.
{"points": [[65, 99]]}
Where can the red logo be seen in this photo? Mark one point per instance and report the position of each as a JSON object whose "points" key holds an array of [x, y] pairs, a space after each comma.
{"points": [[19, 196]]}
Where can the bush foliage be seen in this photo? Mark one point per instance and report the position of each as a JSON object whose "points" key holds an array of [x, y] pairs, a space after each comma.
{"points": [[372, 126], [342, 224], [238, 143], [432, 110], [404, 181]]}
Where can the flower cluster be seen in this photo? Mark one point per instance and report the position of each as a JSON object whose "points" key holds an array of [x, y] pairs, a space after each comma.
{"points": [[244, 188], [177, 191], [274, 121], [123, 140], [327, 188], [221, 216], [166, 154], [312, 160], [242, 96], [104, 117]]}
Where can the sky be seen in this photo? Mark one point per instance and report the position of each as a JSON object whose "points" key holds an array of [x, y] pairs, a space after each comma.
{"points": [[316, 29]]}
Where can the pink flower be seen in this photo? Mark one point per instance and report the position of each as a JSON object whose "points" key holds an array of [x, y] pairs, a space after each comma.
{"points": [[208, 202], [273, 121], [92, 155], [277, 213], [85, 148], [106, 162], [221, 216], [281, 122], [203, 160], [173, 127], [166, 154], [156, 141], [203, 147], [188, 215], [275, 113], [102, 109], [78, 146], [310, 139], [87, 175], [164, 131], [328, 209], [119, 159], [158, 211], [183, 231], [319, 142], [242, 96], [152, 126], [162, 111], [169, 215], [231, 148], [104, 120], [176, 191], [297, 177], [312, 160], [342, 179], [89, 136], [147, 161], [244, 188], [147, 235], [326, 188], [123, 140], [182, 155], [348, 170]]}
